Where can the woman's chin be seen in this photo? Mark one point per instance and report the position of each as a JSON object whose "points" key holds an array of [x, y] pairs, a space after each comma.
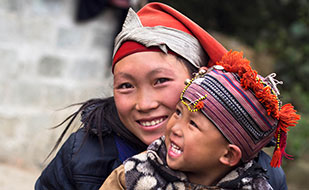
{"points": [[148, 139]]}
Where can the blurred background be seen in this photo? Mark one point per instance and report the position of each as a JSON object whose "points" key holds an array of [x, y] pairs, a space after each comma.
{"points": [[54, 53]]}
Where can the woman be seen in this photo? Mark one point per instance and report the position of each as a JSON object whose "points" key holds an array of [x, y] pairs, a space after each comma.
{"points": [[157, 49]]}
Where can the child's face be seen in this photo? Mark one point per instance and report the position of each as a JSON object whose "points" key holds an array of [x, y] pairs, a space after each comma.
{"points": [[147, 86], [194, 144]]}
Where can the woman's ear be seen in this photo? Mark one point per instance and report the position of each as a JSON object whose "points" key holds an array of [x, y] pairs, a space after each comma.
{"points": [[204, 68], [232, 156]]}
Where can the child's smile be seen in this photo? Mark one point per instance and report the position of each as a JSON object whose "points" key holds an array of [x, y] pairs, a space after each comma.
{"points": [[174, 151], [193, 143]]}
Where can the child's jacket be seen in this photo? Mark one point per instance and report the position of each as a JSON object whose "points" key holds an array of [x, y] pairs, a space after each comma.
{"points": [[148, 170]]}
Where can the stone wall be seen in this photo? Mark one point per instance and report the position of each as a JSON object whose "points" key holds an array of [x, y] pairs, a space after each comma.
{"points": [[47, 61]]}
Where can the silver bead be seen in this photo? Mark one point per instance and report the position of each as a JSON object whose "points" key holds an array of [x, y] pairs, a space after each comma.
{"points": [[202, 71], [218, 67], [187, 81]]}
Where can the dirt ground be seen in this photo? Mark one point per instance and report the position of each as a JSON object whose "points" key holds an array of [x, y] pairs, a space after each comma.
{"points": [[16, 178]]}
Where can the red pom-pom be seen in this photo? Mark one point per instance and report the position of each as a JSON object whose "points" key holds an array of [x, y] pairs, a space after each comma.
{"points": [[199, 105], [287, 117]]}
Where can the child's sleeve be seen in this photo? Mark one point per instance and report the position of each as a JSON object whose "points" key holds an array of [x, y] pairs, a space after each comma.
{"points": [[116, 180]]}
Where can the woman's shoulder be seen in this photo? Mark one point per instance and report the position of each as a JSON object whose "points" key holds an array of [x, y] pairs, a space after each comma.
{"points": [[276, 175], [81, 162], [90, 158]]}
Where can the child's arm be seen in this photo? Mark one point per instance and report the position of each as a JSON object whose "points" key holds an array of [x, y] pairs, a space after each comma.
{"points": [[116, 180]]}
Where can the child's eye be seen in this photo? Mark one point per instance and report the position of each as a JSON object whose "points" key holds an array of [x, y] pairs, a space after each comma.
{"points": [[178, 112], [162, 80], [125, 86], [193, 124]]}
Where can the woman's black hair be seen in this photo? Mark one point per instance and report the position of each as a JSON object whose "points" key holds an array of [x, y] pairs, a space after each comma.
{"points": [[191, 68], [99, 116]]}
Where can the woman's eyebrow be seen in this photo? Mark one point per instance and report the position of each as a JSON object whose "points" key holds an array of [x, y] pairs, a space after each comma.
{"points": [[123, 75], [161, 70]]}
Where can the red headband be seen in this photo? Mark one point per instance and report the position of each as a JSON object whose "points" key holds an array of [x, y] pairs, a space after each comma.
{"points": [[158, 14]]}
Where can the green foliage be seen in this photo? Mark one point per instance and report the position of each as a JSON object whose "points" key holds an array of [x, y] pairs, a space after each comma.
{"points": [[298, 141]]}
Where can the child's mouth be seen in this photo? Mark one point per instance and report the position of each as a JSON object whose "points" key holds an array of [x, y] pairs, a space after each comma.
{"points": [[174, 151]]}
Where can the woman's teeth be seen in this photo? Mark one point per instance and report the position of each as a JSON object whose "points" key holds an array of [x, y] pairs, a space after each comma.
{"points": [[151, 123], [176, 149]]}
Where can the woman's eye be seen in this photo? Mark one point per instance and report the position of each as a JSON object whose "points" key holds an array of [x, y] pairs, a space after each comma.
{"points": [[193, 124], [125, 86], [162, 80]]}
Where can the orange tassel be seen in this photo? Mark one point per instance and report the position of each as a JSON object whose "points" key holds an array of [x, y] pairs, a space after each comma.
{"points": [[287, 117], [276, 159]]}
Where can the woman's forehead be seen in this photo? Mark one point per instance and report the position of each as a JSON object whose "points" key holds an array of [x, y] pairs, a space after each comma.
{"points": [[150, 62]]}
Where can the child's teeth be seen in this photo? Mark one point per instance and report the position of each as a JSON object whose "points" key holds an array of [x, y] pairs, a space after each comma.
{"points": [[176, 149]]}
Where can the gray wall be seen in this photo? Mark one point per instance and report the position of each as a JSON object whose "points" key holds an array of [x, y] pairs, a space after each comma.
{"points": [[47, 61]]}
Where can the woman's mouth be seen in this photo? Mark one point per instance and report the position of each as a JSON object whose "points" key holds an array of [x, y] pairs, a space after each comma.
{"points": [[151, 123]]}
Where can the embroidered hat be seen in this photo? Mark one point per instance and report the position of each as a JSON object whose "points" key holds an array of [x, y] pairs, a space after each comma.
{"points": [[243, 105], [158, 27]]}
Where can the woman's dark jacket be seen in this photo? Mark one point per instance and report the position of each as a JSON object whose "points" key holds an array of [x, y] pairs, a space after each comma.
{"points": [[81, 163]]}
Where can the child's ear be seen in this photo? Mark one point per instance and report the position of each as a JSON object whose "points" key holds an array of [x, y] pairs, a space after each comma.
{"points": [[232, 155]]}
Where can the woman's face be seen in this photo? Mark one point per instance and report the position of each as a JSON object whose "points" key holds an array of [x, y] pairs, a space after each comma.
{"points": [[147, 87]]}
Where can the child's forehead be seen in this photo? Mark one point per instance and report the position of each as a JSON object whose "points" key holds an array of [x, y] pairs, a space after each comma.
{"points": [[184, 106]]}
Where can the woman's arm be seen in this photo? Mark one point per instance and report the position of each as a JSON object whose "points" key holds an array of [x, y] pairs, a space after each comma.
{"points": [[57, 174], [80, 163]]}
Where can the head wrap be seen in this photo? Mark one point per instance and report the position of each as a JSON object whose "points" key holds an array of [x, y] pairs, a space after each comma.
{"points": [[243, 105], [162, 28]]}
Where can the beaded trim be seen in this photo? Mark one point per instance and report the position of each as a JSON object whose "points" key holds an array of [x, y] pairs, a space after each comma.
{"points": [[197, 104]]}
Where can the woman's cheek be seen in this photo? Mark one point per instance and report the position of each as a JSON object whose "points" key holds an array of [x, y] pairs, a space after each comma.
{"points": [[122, 103], [174, 96]]}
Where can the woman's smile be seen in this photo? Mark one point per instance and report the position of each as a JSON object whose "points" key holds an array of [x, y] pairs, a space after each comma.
{"points": [[151, 122]]}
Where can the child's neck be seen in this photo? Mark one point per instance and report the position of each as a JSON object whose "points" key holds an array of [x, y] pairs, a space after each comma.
{"points": [[207, 178]]}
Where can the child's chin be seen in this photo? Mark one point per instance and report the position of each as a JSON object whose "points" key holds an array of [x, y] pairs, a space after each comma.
{"points": [[172, 164]]}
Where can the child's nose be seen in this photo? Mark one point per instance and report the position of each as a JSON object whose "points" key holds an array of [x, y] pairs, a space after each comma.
{"points": [[176, 129]]}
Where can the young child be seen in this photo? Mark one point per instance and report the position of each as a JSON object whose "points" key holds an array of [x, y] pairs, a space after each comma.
{"points": [[226, 115]]}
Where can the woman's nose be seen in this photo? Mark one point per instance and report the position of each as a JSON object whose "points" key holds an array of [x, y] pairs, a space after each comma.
{"points": [[146, 100]]}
